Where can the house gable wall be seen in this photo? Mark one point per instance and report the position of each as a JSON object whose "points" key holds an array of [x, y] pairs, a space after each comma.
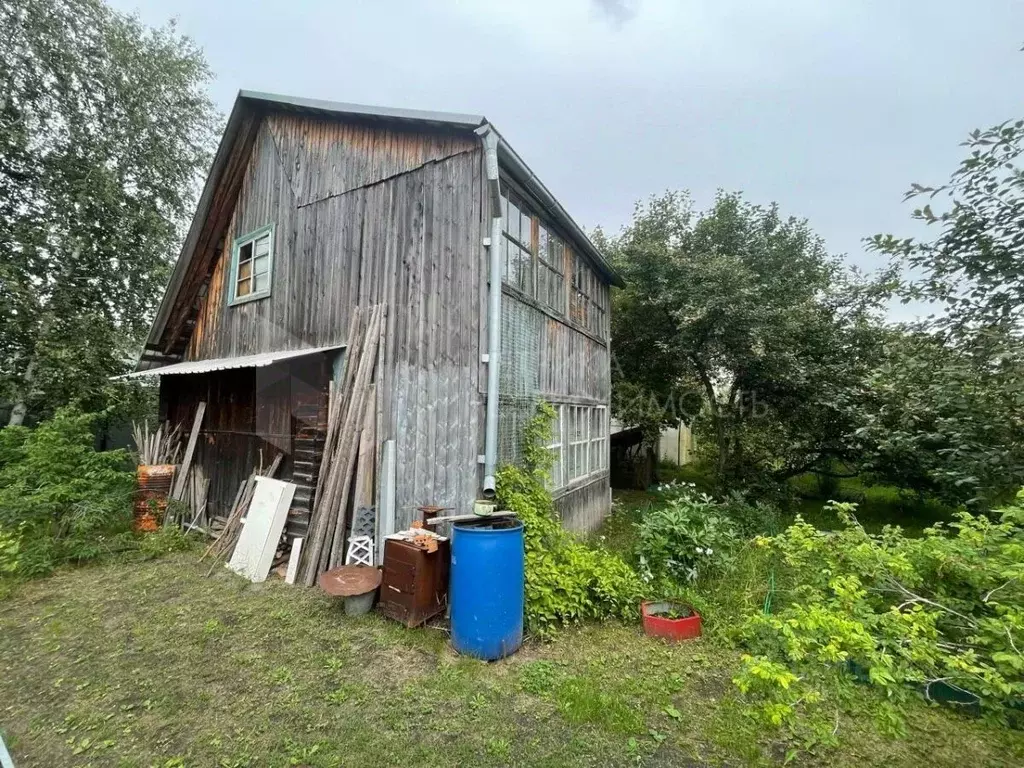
{"points": [[362, 215], [329, 188]]}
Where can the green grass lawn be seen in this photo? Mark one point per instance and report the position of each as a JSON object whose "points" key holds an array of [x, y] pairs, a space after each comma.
{"points": [[877, 505], [154, 665]]}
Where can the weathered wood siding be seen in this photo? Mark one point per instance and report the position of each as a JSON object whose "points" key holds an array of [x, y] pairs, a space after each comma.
{"points": [[253, 415], [583, 507], [364, 215], [546, 357], [336, 228]]}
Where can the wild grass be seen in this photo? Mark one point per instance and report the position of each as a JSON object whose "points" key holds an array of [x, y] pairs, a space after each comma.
{"points": [[151, 664], [877, 505]]}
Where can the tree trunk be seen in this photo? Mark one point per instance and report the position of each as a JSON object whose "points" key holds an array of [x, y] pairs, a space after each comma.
{"points": [[20, 408], [721, 436]]}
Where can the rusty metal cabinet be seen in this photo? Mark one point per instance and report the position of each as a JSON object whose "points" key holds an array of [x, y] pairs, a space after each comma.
{"points": [[415, 582]]}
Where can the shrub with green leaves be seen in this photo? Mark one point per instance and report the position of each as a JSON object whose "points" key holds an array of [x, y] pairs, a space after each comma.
{"points": [[566, 581], [10, 546], [941, 612], [685, 538], [67, 501], [750, 518]]}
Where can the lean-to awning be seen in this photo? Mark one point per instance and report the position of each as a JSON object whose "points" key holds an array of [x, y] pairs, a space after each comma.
{"points": [[225, 363]]}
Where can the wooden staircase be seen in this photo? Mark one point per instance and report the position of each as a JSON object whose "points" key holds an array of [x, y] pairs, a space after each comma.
{"points": [[309, 428]]}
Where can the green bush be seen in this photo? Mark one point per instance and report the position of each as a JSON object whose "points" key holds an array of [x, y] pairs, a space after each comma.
{"points": [[752, 518], [944, 611], [68, 502], [749, 518], [10, 546], [566, 581], [686, 538], [160, 542]]}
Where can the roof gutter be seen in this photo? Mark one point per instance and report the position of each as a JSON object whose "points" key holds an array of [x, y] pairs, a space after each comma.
{"points": [[491, 140]]}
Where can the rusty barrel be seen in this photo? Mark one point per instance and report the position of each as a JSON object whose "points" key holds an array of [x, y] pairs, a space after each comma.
{"points": [[154, 486]]}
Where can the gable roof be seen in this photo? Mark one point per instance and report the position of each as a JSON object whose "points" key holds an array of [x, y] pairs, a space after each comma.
{"points": [[254, 102]]}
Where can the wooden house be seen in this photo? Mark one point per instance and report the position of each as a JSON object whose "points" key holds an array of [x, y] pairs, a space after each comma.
{"points": [[312, 209]]}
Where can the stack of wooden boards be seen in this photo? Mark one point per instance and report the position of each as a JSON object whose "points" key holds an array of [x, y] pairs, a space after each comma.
{"points": [[191, 485], [345, 479], [160, 447], [194, 495], [228, 535]]}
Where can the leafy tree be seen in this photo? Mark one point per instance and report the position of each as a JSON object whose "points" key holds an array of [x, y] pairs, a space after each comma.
{"points": [[104, 127], [951, 396], [745, 312], [974, 267], [944, 419]]}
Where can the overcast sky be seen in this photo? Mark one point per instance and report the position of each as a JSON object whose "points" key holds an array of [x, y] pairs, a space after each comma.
{"points": [[831, 108]]}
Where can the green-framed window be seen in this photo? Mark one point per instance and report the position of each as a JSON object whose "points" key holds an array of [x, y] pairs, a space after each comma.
{"points": [[252, 265]]}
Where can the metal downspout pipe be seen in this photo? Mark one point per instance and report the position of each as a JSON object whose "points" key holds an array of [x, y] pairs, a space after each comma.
{"points": [[493, 356]]}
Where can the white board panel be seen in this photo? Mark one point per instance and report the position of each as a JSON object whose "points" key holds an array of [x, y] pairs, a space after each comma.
{"points": [[386, 498], [293, 562], [264, 523]]}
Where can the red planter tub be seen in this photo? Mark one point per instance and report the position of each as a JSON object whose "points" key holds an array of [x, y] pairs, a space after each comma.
{"points": [[658, 621]]}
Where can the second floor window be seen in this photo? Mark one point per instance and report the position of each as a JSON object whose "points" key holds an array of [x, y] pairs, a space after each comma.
{"points": [[588, 298], [533, 256], [517, 243], [252, 262], [550, 270]]}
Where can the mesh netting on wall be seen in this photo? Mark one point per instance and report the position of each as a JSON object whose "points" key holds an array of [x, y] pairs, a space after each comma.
{"points": [[521, 328]]}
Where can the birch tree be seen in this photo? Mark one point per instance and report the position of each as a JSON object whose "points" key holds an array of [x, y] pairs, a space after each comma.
{"points": [[105, 127]]}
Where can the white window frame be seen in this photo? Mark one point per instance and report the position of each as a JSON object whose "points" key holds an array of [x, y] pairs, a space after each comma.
{"points": [[579, 441], [579, 457], [599, 441], [555, 481]]}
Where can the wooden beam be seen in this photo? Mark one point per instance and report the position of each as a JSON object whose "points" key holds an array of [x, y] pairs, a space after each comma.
{"points": [[186, 464], [328, 521], [293, 561], [466, 518], [367, 455], [386, 497]]}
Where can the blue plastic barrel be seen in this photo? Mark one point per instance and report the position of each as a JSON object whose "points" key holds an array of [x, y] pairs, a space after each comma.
{"points": [[487, 588]]}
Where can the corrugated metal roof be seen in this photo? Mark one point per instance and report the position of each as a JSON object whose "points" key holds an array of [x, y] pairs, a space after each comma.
{"points": [[452, 119], [261, 360]]}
